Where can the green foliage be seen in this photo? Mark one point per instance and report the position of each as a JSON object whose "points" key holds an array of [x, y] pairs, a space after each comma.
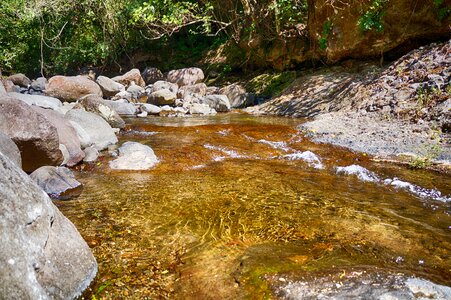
{"points": [[271, 84], [288, 13], [442, 10], [371, 19], [324, 39]]}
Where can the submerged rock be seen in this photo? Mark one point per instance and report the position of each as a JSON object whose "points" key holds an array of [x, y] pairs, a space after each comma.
{"points": [[134, 156], [57, 182], [42, 254]]}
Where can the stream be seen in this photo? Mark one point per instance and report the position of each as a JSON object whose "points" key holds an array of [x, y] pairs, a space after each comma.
{"points": [[242, 206]]}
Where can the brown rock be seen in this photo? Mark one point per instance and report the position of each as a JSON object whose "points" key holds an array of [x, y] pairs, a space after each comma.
{"points": [[162, 97], [127, 78], [20, 80], [35, 136], [71, 88]]}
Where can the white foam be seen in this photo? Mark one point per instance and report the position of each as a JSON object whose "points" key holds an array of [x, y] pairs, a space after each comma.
{"points": [[417, 190], [229, 153], [276, 145], [361, 173], [307, 156]]}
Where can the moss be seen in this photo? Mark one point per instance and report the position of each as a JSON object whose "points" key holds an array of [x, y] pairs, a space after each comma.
{"points": [[271, 84]]}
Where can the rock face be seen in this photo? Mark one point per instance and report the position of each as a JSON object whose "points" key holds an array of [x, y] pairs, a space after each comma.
{"points": [[35, 136], [109, 87], [220, 103], [134, 156], [188, 76], [351, 36], [237, 96], [66, 134], [97, 105], [71, 88], [152, 75], [98, 131], [162, 97], [37, 100], [57, 182], [42, 254], [10, 150], [20, 80], [127, 78]]}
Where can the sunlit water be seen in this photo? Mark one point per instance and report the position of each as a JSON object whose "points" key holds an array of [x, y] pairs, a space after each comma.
{"points": [[236, 199]]}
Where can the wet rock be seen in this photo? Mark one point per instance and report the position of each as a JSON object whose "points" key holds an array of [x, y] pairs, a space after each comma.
{"points": [[10, 149], [39, 84], [198, 90], [162, 97], [42, 254], [131, 76], [37, 100], [67, 135], [122, 107], [187, 76], [150, 109], [220, 103], [152, 75], [71, 88], [20, 80], [35, 136], [109, 87], [164, 85], [96, 104], [134, 156], [57, 182], [91, 154], [100, 133], [237, 95]]}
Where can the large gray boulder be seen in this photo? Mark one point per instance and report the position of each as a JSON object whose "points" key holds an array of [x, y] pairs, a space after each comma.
{"points": [[198, 90], [109, 87], [20, 80], [188, 76], [162, 97], [39, 84], [152, 75], [10, 150], [42, 255], [220, 103], [165, 85], [57, 182], [66, 134], [122, 107], [38, 100], [131, 76], [99, 132], [134, 156], [71, 88], [237, 95], [95, 104], [35, 136]]}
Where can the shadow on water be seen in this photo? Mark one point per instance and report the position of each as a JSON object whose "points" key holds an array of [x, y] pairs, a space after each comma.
{"points": [[226, 207]]}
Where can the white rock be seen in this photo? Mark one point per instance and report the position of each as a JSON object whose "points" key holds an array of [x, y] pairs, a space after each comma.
{"points": [[134, 156]]}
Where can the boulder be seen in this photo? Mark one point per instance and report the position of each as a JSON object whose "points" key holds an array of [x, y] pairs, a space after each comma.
{"points": [[99, 132], [2, 88], [109, 87], [83, 136], [39, 84], [198, 90], [71, 88], [91, 154], [164, 85], [150, 109], [57, 182], [122, 107], [132, 75], [20, 80], [35, 136], [10, 86], [201, 109], [237, 95], [42, 254], [38, 100], [220, 103], [67, 135], [188, 76], [10, 150], [162, 97], [134, 156], [138, 93], [95, 104], [152, 75]]}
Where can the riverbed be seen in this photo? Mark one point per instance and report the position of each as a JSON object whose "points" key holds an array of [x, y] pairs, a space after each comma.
{"points": [[239, 204]]}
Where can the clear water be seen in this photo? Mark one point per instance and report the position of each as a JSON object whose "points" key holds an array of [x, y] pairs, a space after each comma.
{"points": [[227, 205]]}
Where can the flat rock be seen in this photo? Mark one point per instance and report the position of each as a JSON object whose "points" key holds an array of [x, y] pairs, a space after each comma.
{"points": [[99, 132], [134, 156], [42, 254], [57, 182], [34, 135], [38, 100], [71, 88]]}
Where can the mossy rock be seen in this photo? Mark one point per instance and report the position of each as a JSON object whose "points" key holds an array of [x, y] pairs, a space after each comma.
{"points": [[271, 84]]}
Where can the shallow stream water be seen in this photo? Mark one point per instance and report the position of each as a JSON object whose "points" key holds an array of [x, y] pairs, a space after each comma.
{"points": [[237, 199]]}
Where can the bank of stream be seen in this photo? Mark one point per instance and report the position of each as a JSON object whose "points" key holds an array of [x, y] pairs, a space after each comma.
{"points": [[240, 206]]}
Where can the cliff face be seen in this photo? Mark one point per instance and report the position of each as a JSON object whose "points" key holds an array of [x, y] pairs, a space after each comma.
{"points": [[343, 29]]}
